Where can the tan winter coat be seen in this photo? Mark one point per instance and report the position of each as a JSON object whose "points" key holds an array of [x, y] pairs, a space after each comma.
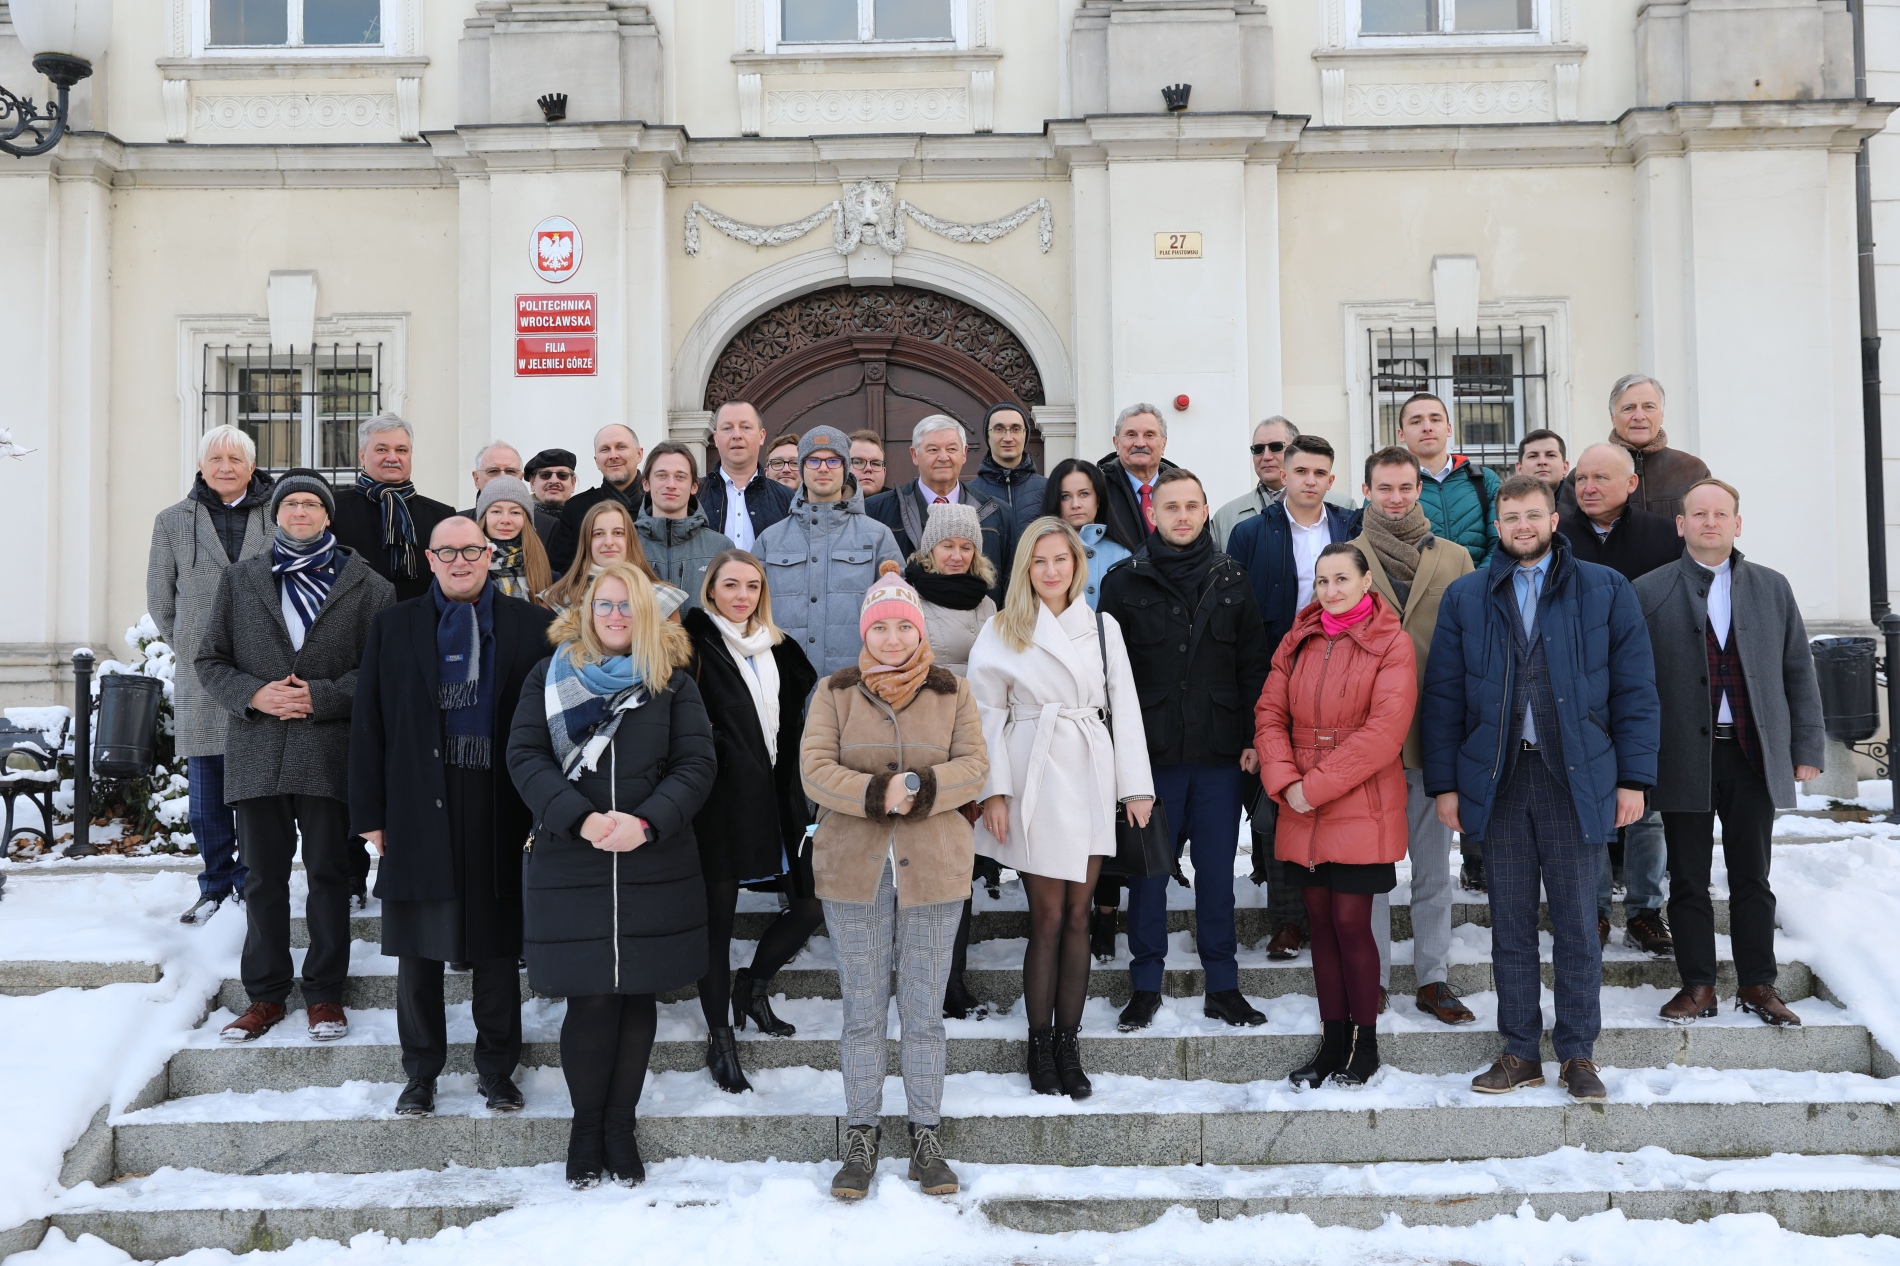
{"points": [[1439, 563], [854, 745]]}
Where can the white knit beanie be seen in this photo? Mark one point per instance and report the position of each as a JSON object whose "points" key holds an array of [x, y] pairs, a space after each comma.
{"points": [[951, 521]]}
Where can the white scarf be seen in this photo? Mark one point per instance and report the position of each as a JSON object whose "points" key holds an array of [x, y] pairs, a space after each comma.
{"points": [[761, 678]]}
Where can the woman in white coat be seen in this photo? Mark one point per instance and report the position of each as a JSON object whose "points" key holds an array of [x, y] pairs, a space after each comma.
{"points": [[1056, 776]]}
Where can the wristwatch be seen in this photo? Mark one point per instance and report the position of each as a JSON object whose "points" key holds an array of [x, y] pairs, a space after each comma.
{"points": [[913, 784]]}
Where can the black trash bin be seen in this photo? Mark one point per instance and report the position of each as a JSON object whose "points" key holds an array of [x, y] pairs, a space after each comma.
{"points": [[125, 733], [1849, 702]]}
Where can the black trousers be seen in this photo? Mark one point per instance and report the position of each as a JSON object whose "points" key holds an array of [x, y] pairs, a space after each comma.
{"points": [[1747, 809], [268, 827], [422, 1024]]}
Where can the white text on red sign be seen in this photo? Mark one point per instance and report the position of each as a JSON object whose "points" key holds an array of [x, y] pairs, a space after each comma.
{"points": [[535, 357], [554, 314]]}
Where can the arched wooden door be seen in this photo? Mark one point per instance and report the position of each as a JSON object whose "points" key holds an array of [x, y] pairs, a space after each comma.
{"points": [[879, 358]]}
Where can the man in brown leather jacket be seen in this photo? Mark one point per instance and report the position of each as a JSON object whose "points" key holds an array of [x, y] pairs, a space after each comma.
{"points": [[1663, 473]]}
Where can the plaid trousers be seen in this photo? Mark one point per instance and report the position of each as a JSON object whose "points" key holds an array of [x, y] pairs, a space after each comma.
{"points": [[1534, 836], [867, 936]]}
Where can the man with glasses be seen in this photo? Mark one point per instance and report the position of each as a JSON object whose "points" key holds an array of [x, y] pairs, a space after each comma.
{"points": [[867, 462], [826, 546], [551, 476], [1270, 439], [1008, 473], [781, 460], [742, 501]]}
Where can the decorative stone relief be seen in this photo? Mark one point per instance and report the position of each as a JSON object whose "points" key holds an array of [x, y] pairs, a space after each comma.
{"points": [[749, 104], [1332, 96], [1492, 98], [294, 111], [802, 107], [1565, 74], [869, 211], [409, 109], [983, 100], [177, 98]]}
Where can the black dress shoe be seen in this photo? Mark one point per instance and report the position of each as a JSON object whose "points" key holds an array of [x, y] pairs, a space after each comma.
{"points": [[1229, 1005], [202, 910], [417, 1099], [502, 1095], [1140, 1011]]}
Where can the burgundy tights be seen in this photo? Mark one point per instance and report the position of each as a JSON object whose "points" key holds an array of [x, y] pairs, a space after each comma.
{"points": [[1345, 956]]}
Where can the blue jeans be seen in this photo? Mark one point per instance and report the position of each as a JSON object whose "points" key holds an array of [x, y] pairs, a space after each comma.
{"points": [[1203, 805], [214, 826], [1534, 836], [1645, 860]]}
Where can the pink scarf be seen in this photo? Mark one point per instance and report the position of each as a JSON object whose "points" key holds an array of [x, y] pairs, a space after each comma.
{"points": [[1337, 624]]}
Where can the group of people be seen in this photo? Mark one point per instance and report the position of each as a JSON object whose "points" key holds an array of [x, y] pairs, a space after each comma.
{"points": [[859, 704]]}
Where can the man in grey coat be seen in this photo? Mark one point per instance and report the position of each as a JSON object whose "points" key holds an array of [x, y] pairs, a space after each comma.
{"points": [[280, 655], [673, 529], [826, 549], [1741, 725], [223, 518]]}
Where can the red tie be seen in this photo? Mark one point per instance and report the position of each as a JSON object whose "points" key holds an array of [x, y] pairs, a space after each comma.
{"points": [[941, 501], [1148, 505]]}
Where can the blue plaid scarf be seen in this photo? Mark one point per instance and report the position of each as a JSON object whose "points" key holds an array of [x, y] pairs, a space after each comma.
{"points": [[465, 670], [584, 705], [399, 530], [305, 570]]}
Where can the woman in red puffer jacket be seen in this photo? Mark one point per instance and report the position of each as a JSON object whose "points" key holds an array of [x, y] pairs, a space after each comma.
{"points": [[1329, 728]]}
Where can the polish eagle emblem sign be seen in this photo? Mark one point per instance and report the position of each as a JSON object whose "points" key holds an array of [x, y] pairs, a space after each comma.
{"points": [[555, 249]]}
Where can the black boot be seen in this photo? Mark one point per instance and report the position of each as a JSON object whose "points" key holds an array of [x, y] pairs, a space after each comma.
{"points": [[622, 1150], [1075, 1082], [586, 1144], [722, 1060], [1335, 1039], [1043, 1078], [959, 1003], [751, 999], [1102, 933], [1362, 1057]]}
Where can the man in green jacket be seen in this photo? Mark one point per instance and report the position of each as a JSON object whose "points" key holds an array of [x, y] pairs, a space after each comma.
{"points": [[1458, 496]]}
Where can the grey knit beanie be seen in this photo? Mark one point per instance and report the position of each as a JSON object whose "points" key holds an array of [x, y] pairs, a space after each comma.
{"points": [[504, 488], [949, 521], [827, 437], [303, 479]]}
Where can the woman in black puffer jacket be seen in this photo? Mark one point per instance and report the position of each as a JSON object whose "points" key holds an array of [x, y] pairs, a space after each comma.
{"points": [[613, 769]]}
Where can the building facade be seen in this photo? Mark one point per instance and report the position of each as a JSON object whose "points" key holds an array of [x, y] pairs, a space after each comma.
{"points": [[290, 213]]}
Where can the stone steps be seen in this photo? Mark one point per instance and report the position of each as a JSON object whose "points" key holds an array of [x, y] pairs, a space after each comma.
{"points": [[22, 977]]}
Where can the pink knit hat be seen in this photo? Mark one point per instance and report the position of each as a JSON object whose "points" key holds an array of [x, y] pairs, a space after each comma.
{"points": [[889, 598]]}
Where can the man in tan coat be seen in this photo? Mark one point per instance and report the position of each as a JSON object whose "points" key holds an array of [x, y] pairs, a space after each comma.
{"points": [[1410, 569]]}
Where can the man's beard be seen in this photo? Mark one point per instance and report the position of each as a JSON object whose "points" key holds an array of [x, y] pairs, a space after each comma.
{"points": [[1538, 551]]}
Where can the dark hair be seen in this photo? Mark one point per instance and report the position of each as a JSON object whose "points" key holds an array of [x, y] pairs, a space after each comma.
{"points": [[1414, 398], [671, 448], [1052, 491], [1007, 406], [1531, 437], [1314, 444], [866, 436], [1518, 487], [1173, 473], [1350, 551], [1394, 455]]}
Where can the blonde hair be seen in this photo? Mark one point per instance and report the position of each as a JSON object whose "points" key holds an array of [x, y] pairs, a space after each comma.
{"points": [[567, 591], [1711, 482], [1016, 622], [981, 567], [659, 645], [761, 617]]}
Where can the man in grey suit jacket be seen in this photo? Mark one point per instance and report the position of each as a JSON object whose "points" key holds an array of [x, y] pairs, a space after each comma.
{"points": [[1741, 725]]}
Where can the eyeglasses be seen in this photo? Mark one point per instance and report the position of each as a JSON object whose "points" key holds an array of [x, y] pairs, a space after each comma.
{"points": [[1271, 446], [603, 607], [867, 463], [782, 463], [823, 463], [496, 472], [1000, 429], [469, 552]]}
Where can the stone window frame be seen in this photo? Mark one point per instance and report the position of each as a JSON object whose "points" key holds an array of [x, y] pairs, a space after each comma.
{"points": [[188, 27], [756, 22], [1339, 28]]}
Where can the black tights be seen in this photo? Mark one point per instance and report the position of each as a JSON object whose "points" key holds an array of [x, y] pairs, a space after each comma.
{"points": [[1345, 955], [606, 1041], [1056, 964], [782, 940]]}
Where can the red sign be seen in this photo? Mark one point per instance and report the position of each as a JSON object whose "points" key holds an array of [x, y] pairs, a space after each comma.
{"points": [[555, 249], [562, 354], [554, 314]]}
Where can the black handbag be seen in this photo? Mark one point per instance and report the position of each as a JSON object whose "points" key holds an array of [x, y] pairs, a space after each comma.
{"points": [[1141, 852]]}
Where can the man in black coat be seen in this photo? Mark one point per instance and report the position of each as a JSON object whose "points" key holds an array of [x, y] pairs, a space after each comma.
{"points": [[740, 501], [550, 473], [938, 447], [617, 456], [1198, 650], [437, 691], [1141, 439], [1007, 472], [382, 518]]}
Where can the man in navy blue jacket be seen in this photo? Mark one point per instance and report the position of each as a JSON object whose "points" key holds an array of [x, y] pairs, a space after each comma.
{"points": [[1278, 547], [1541, 724]]}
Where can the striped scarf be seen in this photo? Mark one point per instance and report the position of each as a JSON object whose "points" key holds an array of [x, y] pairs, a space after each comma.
{"points": [[508, 569], [584, 706], [305, 570], [399, 530]]}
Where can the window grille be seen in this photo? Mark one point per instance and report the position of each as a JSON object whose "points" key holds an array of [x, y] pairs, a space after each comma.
{"points": [[1494, 383], [300, 407]]}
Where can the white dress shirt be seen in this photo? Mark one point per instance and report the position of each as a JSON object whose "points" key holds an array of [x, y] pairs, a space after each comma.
{"points": [[738, 524], [1721, 590], [1307, 543], [954, 496], [1440, 474]]}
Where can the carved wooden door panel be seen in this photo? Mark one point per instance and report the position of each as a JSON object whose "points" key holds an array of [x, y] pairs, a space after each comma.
{"points": [[877, 358]]}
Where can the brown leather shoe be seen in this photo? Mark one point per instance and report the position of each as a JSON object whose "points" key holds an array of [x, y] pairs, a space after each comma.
{"points": [[1439, 1002], [1691, 1003], [1762, 1000], [1285, 943], [1579, 1077], [258, 1019], [327, 1023], [1603, 931], [1507, 1074]]}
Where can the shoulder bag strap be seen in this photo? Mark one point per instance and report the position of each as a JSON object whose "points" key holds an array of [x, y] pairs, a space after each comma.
{"points": [[1108, 711]]}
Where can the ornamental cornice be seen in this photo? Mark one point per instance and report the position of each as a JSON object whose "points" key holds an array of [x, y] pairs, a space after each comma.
{"points": [[1839, 126]]}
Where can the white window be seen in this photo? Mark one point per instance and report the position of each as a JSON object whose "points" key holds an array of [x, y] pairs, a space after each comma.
{"points": [[301, 405], [921, 23], [1494, 384], [316, 25], [1418, 17]]}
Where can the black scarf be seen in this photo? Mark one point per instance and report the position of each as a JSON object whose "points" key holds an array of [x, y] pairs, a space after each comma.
{"points": [[1183, 568], [465, 673], [955, 593]]}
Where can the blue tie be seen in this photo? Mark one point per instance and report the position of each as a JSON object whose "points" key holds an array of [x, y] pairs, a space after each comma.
{"points": [[1529, 579]]}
